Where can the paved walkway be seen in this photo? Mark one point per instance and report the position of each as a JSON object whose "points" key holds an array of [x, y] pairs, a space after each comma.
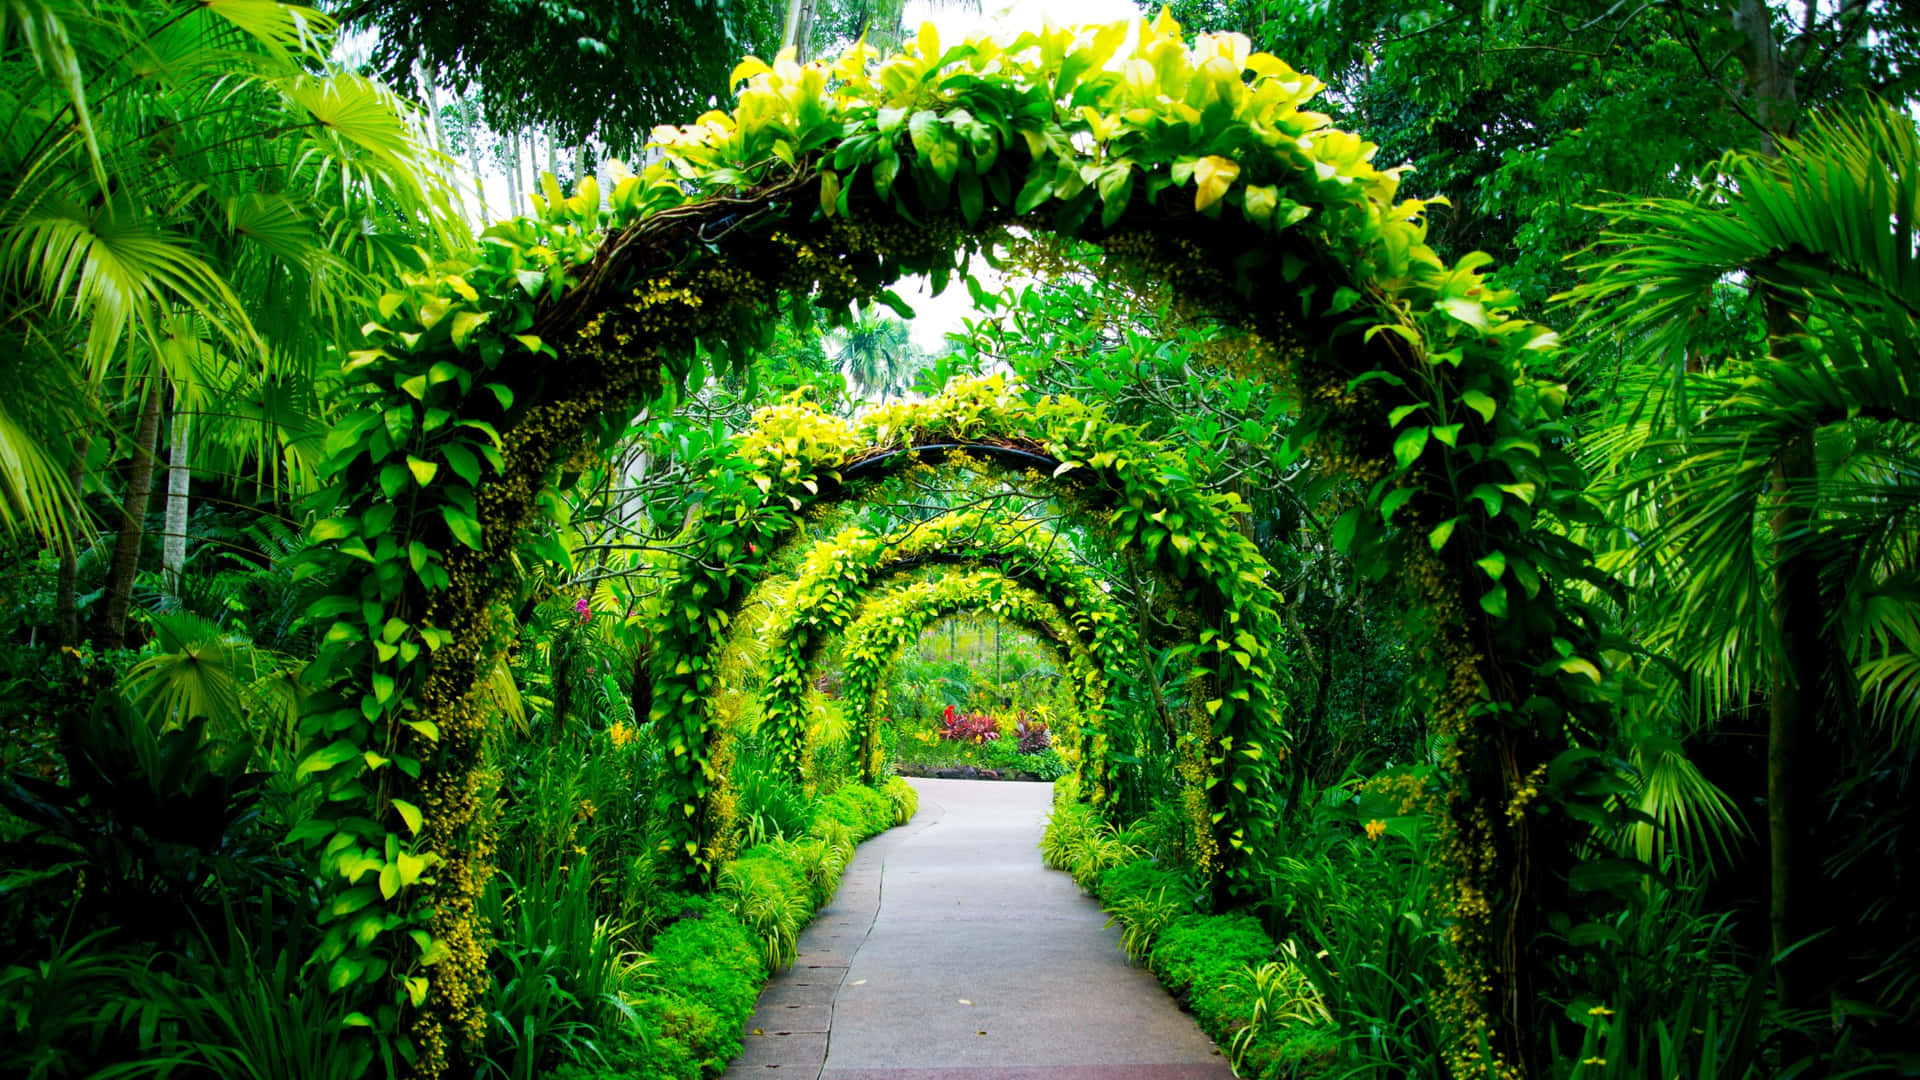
{"points": [[952, 953]]}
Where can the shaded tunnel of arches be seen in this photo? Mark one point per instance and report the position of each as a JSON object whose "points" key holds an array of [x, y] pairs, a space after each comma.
{"points": [[993, 423], [483, 388], [826, 596]]}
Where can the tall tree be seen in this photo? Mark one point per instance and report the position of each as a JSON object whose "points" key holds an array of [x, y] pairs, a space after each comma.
{"points": [[1772, 500], [610, 71], [1526, 114], [211, 234]]}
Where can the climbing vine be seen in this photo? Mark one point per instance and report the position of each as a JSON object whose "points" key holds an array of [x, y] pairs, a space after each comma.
{"points": [[1199, 164]]}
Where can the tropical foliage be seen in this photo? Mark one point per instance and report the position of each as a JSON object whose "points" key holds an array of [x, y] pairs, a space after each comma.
{"points": [[540, 616]]}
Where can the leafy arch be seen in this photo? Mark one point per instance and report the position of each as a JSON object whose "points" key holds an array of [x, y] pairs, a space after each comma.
{"points": [[897, 618], [1196, 163], [797, 459], [840, 573]]}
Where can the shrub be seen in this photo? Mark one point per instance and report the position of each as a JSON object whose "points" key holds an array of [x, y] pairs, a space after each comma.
{"points": [[863, 810], [1143, 876], [1141, 918], [973, 727], [711, 967], [770, 805], [1067, 827], [1283, 996], [906, 801], [767, 890], [1198, 957], [1032, 733]]}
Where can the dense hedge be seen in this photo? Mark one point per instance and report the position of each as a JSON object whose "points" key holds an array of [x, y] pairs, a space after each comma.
{"points": [[1210, 963], [712, 965]]}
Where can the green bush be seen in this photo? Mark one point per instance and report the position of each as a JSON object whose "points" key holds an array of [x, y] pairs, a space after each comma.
{"points": [[768, 889], [863, 810], [711, 969], [906, 801], [713, 951], [1199, 957]]}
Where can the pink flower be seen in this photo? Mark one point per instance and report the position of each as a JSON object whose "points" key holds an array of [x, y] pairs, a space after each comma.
{"points": [[581, 609]]}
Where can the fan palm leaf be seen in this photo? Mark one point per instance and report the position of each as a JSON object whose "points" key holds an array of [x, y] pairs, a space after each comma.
{"points": [[1820, 239], [201, 160]]}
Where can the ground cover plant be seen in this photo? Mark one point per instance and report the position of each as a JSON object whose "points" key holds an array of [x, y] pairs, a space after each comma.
{"points": [[439, 646]]}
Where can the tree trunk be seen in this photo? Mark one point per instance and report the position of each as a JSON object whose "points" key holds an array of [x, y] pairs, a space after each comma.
{"points": [[173, 551], [473, 156], [799, 27], [433, 115], [133, 521], [513, 177], [884, 30], [1795, 772], [66, 602]]}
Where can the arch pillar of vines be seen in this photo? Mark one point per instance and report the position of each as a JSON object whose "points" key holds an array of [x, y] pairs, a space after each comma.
{"points": [[1199, 163]]}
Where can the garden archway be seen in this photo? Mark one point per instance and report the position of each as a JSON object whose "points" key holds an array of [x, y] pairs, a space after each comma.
{"points": [[894, 619], [1197, 164], [797, 459], [840, 572]]}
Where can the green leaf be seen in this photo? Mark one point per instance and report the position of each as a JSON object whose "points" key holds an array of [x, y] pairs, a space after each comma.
{"points": [[464, 526], [1409, 444], [333, 529], [1467, 311], [1581, 666], [410, 814], [1343, 529], [1441, 533], [1494, 601], [1395, 500], [344, 973], [1494, 564], [327, 757], [423, 471], [462, 462], [465, 323], [1481, 403], [411, 867]]}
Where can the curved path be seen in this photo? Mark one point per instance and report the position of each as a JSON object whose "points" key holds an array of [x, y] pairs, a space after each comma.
{"points": [[953, 953]]}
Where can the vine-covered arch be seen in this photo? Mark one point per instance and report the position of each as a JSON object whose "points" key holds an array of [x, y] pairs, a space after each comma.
{"points": [[896, 618], [796, 459], [838, 574], [1196, 163]]}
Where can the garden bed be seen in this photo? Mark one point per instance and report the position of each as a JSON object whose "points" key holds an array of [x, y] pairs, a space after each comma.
{"points": [[969, 772]]}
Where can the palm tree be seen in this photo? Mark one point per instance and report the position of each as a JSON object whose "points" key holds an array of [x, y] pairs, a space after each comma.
{"points": [[1774, 502], [877, 352], [190, 206]]}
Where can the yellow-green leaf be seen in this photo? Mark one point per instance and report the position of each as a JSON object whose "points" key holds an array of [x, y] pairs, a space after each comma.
{"points": [[464, 324], [1212, 176], [410, 814]]}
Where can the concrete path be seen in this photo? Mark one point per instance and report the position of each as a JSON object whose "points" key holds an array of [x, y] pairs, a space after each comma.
{"points": [[953, 953]]}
